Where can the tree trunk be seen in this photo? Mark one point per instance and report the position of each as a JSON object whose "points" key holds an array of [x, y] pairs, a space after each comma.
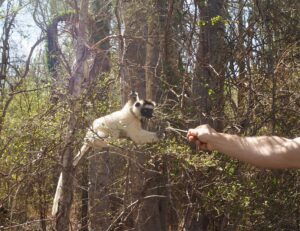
{"points": [[84, 196], [208, 85], [99, 182], [99, 31], [152, 54], [54, 55], [241, 103], [140, 67], [151, 212], [99, 173], [133, 49], [64, 208], [169, 23]]}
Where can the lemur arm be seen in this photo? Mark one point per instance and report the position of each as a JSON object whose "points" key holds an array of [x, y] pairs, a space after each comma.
{"points": [[141, 136]]}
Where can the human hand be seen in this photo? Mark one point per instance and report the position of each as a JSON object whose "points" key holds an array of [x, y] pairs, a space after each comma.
{"points": [[201, 136]]}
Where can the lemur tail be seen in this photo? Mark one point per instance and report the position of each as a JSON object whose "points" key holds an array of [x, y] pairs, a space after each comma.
{"points": [[80, 154], [57, 195], [58, 191]]}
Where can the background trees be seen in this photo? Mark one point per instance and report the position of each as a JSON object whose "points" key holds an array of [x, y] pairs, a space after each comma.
{"points": [[233, 64]]}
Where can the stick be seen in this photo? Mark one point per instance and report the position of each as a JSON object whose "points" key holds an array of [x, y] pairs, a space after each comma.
{"points": [[177, 130]]}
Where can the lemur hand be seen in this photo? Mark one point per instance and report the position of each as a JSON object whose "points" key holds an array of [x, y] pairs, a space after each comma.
{"points": [[161, 134]]}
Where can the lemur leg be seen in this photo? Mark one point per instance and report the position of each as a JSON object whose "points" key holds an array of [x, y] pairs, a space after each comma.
{"points": [[92, 140]]}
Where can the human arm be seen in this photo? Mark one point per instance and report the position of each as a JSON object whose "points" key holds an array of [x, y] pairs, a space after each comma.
{"points": [[262, 151]]}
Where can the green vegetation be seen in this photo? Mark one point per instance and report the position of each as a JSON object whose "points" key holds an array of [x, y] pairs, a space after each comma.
{"points": [[235, 67]]}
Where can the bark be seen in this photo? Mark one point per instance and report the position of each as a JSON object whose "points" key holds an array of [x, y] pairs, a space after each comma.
{"points": [[271, 73], [84, 182], [208, 84], [241, 64], [169, 22], [161, 52], [75, 84], [4, 63], [147, 188], [100, 172], [99, 31], [54, 55], [133, 51], [170, 53], [42, 207], [154, 49], [140, 71], [53, 51], [99, 182], [152, 53]]}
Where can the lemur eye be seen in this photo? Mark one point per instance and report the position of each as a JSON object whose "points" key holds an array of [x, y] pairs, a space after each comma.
{"points": [[138, 104]]}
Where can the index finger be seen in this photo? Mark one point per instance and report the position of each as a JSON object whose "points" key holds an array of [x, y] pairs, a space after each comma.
{"points": [[192, 138], [192, 132]]}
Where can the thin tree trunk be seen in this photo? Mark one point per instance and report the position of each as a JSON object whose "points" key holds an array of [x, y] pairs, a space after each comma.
{"points": [[99, 182], [84, 198], [54, 56], [272, 75], [241, 63], [99, 173], [134, 49], [139, 58], [151, 58], [64, 208], [144, 189], [208, 85]]}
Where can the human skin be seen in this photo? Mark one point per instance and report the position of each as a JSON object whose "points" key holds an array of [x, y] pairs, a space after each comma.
{"points": [[261, 151]]}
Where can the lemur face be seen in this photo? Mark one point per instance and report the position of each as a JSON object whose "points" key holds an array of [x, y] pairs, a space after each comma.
{"points": [[145, 108]]}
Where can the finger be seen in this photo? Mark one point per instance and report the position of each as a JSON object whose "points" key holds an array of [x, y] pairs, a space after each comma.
{"points": [[203, 146], [192, 138], [191, 132]]}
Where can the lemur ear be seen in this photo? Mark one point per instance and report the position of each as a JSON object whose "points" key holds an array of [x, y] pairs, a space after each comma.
{"points": [[133, 94]]}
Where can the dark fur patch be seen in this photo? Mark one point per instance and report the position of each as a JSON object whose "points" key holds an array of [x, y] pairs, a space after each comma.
{"points": [[146, 108], [149, 102], [147, 112]]}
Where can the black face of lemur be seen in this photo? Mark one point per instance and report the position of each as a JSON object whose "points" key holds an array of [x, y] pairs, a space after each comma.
{"points": [[147, 112], [146, 109]]}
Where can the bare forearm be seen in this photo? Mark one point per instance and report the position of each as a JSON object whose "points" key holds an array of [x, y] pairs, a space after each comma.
{"points": [[264, 151]]}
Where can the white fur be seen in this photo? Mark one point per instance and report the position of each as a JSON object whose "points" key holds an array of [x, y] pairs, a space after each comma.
{"points": [[119, 124]]}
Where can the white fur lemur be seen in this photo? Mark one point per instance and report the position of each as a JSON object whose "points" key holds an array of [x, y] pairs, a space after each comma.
{"points": [[125, 123]]}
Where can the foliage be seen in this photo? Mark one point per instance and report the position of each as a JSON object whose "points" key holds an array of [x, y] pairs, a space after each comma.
{"points": [[259, 95]]}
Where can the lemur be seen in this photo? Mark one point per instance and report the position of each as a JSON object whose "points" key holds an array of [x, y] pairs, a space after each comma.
{"points": [[125, 123]]}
